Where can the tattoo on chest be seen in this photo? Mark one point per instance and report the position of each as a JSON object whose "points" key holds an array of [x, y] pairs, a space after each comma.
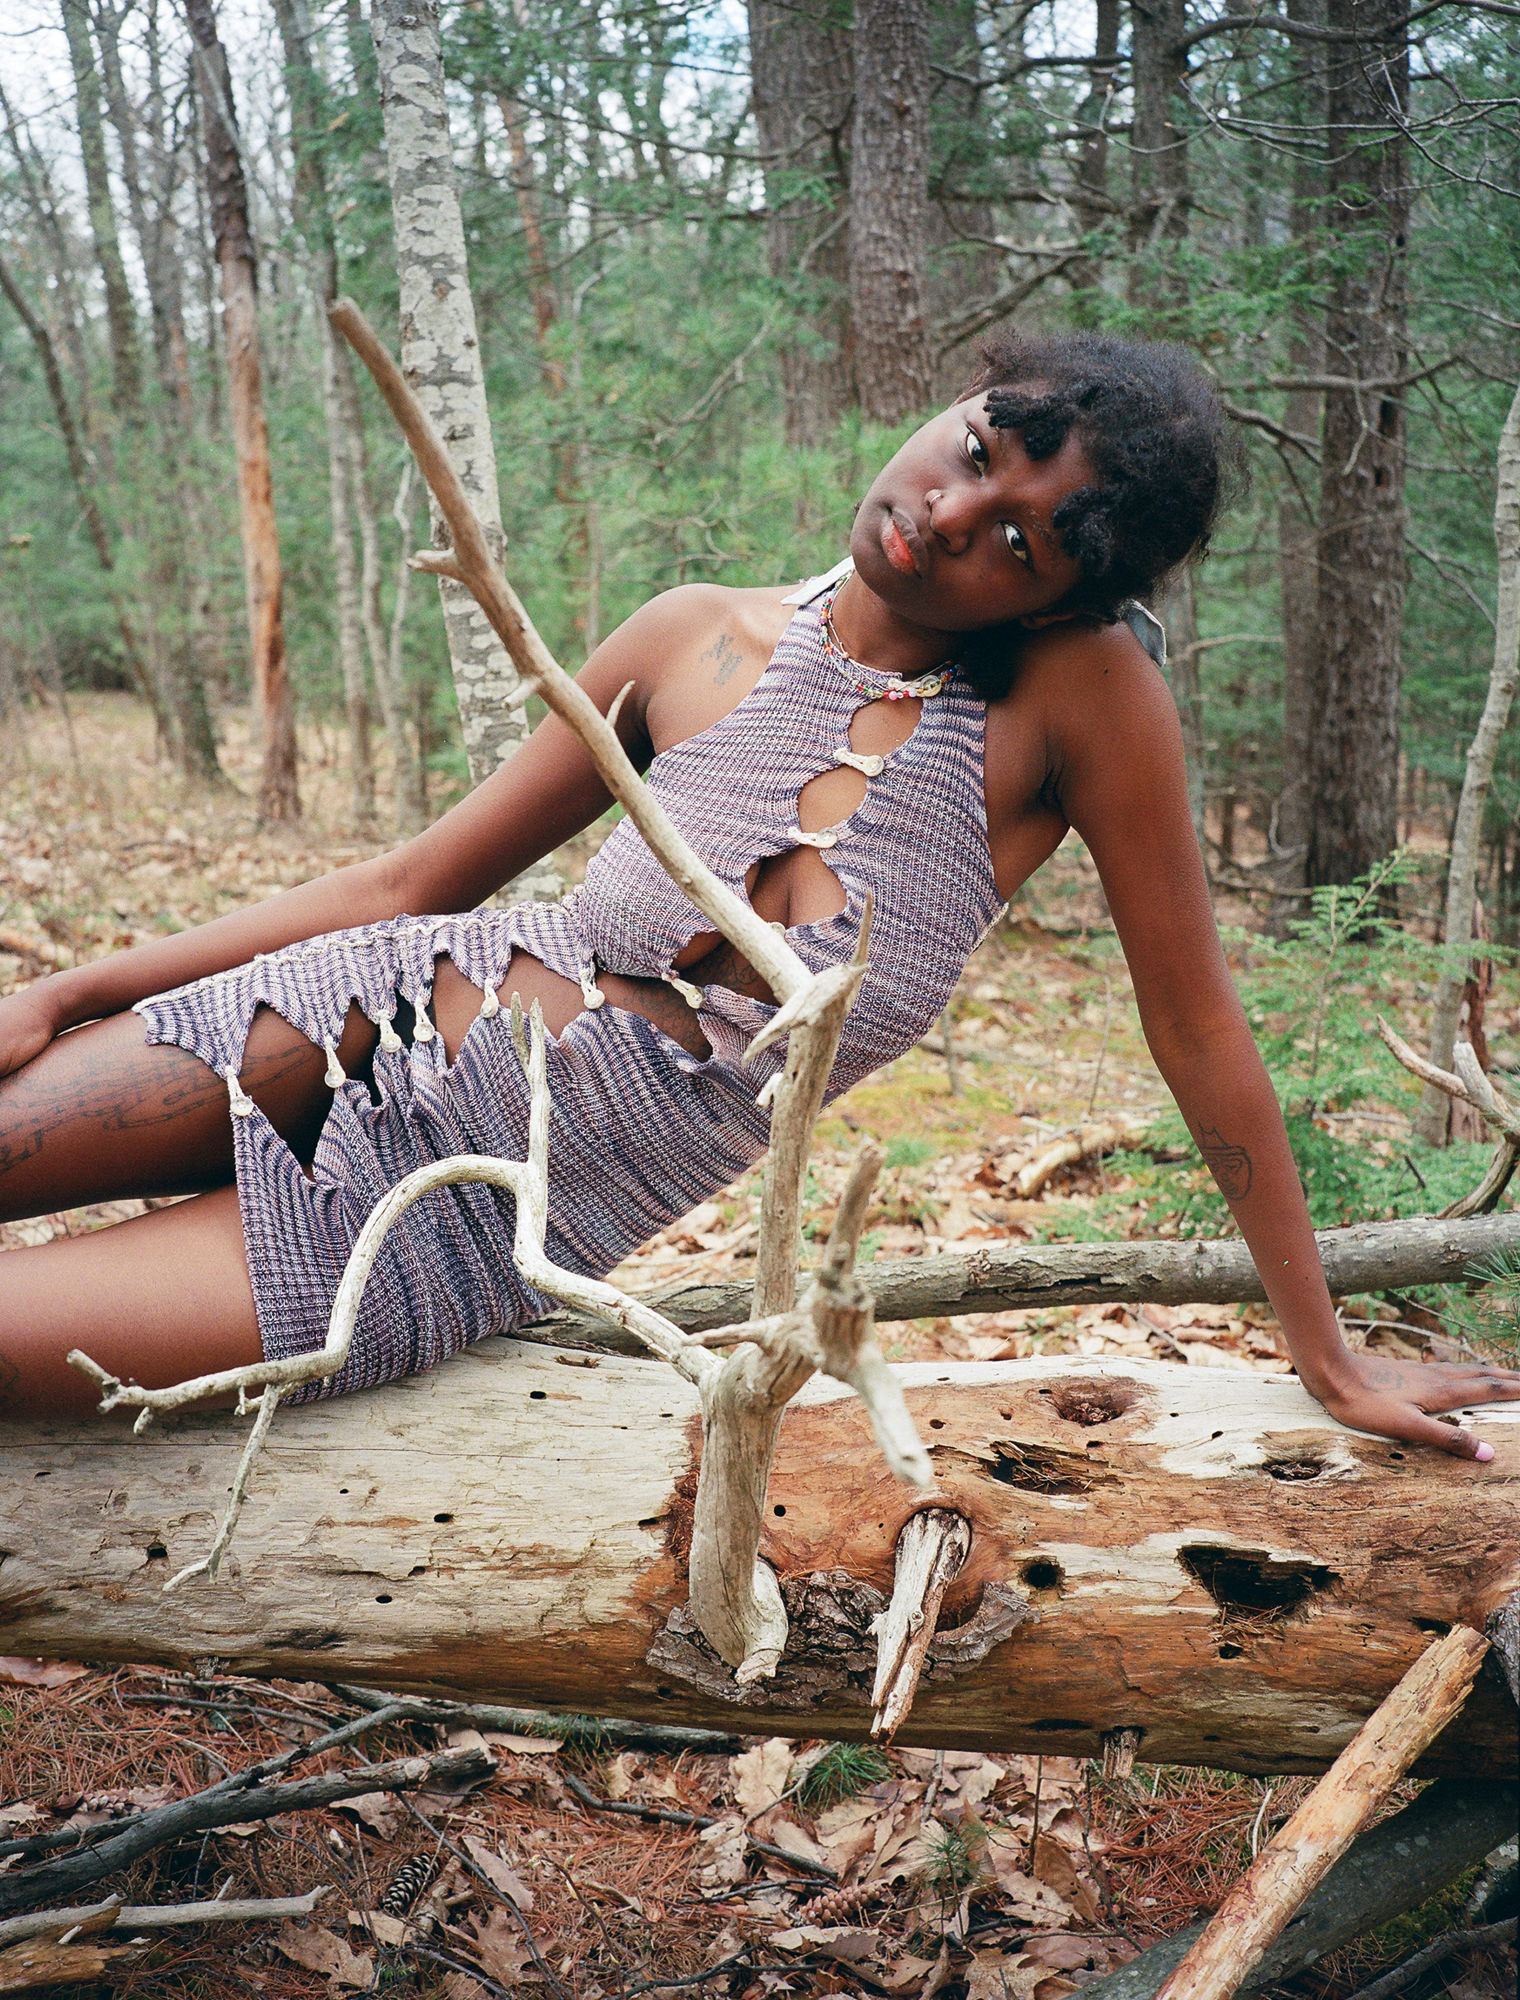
{"points": [[1229, 1164], [726, 659]]}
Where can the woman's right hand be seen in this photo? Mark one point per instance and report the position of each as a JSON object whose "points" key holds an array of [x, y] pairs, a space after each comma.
{"points": [[29, 1020]]}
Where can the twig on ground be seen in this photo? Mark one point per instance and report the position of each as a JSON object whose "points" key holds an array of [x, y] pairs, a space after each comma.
{"points": [[675, 1816], [662, 1736], [245, 1796], [1401, 1977], [114, 1914]]}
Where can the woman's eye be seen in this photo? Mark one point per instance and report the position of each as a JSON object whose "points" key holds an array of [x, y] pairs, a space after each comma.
{"points": [[976, 451], [1014, 535]]}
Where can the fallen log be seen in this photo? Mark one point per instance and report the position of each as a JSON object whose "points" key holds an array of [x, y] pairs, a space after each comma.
{"points": [[1198, 1554], [1364, 1257]]}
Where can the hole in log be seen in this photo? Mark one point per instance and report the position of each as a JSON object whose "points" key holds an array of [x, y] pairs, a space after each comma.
{"points": [[538, 1395], [1042, 1574], [1093, 1401], [383, 1598], [1436, 1626], [936, 1423], [443, 1517], [1041, 1469], [778, 1512], [1063, 1723], [157, 1553], [1248, 1583], [652, 1521], [1397, 1455], [1229, 1652], [1291, 1466], [342, 1489], [417, 1569]]}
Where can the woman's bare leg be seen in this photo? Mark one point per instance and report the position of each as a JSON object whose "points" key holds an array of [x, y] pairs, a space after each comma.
{"points": [[156, 1300]]}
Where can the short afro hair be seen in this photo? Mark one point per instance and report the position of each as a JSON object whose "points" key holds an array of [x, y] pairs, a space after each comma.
{"points": [[1157, 437]]}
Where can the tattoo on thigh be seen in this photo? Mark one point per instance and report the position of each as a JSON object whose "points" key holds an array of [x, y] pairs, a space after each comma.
{"points": [[1229, 1164]]}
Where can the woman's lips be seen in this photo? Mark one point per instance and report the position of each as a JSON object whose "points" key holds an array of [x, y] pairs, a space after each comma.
{"points": [[901, 543]]}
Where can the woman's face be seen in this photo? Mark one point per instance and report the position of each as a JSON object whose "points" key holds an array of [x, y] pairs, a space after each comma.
{"points": [[955, 533]]}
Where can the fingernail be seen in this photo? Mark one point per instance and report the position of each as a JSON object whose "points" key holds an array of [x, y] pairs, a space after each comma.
{"points": [[1484, 1453]]}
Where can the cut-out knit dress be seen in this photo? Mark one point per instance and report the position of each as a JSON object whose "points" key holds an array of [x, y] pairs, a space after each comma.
{"points": [[642, 1130]]}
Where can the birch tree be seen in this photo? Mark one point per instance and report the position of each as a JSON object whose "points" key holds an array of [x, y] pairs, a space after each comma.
{"points": [[440, 354]]}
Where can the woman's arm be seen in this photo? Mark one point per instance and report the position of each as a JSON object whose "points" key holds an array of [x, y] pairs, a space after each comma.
{"points": [[1123, 787], [548, 790]]}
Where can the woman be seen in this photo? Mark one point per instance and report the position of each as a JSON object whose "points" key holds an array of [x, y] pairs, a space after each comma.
{"points": [[921, 726]]}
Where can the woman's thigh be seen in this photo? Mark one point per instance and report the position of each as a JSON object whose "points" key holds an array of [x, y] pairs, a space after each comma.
{"points": [[155, 1300]]}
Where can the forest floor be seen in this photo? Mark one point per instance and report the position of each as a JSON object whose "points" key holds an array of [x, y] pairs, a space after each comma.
{"points": [[971, 1875]]}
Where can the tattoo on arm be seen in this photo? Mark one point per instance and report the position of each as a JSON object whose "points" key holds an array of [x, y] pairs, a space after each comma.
{"points": [[1229, 1164], [726, 659]]}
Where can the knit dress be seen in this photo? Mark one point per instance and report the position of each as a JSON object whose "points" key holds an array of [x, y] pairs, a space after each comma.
{"points": [[642, 1130]]}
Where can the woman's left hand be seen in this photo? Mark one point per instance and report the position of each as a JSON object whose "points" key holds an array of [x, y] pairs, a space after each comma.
{"points": [[1403, 1399]]}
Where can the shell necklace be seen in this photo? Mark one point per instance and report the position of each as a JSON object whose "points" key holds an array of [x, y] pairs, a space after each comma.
{"points": [[882, 686]]}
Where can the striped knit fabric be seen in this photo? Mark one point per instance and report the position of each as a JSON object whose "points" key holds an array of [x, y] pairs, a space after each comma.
{"points": [[642, 1130]]}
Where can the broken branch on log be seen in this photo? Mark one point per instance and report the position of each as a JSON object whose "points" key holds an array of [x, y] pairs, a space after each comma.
{"points": [[1303, 1851], [931, 1552]]}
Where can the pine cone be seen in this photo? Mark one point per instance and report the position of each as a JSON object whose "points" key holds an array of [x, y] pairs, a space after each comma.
{"points": [[835, 1905], [407, 1884]]}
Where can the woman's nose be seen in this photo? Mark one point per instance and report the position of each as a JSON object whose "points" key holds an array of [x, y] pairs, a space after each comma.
{"points": [[951, 517]]}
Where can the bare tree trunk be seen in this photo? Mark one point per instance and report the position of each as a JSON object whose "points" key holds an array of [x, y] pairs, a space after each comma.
{"points": [[1297, 530], [964, 269], [440, 351], [138, 665], [889, 208], [1091, 200], [409, 783], [314, 218], [1160, 196], [800, 72], [1466, 840], [1355, 742], [279, 798], [126, 365], [172, 558], [66, 311]]}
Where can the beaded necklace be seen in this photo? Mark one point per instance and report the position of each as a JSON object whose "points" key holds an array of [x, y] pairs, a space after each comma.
{"points": [[920, 687]]}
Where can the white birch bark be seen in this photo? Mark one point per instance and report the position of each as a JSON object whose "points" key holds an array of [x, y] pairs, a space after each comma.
{"points": [[1466, 838], [440, 356]]}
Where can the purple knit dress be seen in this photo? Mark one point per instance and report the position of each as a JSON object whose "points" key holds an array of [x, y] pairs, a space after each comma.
{"points": [[642, 1130]]}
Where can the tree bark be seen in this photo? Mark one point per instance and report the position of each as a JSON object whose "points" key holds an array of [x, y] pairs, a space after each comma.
{"points": [[1092, 203], [1355, 725], [889, 208], [121, 317], [801, 79], [279, 797], [1160, 198], [1466, 839], [308, 116], [440, 352], [1214, 1560], [1298, 552]]}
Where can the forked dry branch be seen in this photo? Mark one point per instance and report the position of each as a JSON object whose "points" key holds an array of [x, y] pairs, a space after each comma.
{"points": [[1471, 1086], [735, 1598]]}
